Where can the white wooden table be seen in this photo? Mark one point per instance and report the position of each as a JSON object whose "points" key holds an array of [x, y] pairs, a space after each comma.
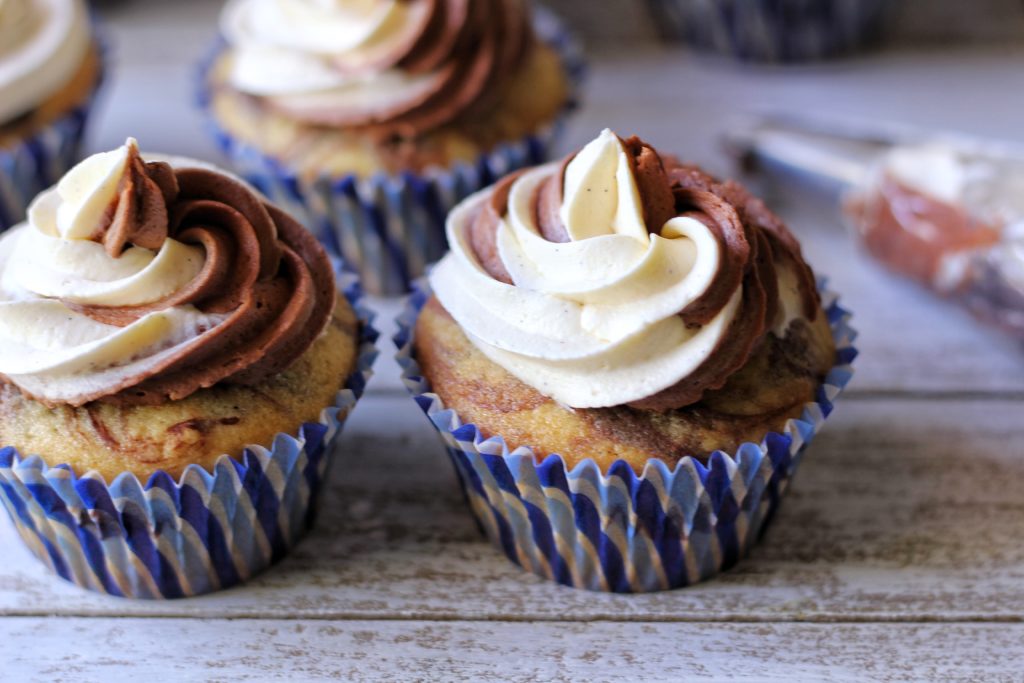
{"points": [[899, 553]]}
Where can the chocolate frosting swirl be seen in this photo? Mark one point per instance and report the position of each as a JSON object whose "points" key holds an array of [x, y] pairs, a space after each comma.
{"points": [[463, 49], [262, 269], [753, 243]]}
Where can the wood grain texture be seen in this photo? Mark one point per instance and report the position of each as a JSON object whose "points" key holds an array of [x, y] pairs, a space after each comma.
{"points": [[896, 556], [903, 510], [271, 650]]}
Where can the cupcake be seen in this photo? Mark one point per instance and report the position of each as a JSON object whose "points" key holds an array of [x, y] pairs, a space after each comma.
{"points": [[175, 367], [772, 30], [375, 118], [626, 358], [50, 68]]}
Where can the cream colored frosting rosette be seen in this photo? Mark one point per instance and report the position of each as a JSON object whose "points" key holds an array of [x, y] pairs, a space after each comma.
{"points": [[591, 322], [42, 45]]}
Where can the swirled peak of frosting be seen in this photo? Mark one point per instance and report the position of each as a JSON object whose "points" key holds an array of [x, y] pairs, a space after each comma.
{"points": [[42, 45], [391, 66], [618, 277], [139, 282]]}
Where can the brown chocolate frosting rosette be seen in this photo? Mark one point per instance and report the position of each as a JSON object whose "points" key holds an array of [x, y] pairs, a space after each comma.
{"points": [[392, 67], [140, 282], [620, 277]]}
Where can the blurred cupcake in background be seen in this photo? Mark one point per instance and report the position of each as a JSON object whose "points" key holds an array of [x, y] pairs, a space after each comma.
{"points": [[176, 363], [375, 118], [771, 30], [626, 359], [50, 69]]}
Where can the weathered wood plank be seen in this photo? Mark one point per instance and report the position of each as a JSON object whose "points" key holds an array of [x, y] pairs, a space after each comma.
{"points": [[903, 510], [135, 649]]}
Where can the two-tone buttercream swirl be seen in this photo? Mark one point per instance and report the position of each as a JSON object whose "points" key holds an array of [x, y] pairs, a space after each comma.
{"points": [[394, 67], [140, 282], [620, 278], [42, 45]]}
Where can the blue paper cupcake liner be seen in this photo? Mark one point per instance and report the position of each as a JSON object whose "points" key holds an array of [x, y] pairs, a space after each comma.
{"points": [[389, 227], [35, 163], [616, 531], [204, 532], [771, 30]]}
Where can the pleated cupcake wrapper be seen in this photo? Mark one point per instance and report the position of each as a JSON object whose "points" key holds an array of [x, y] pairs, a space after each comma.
{"points": [[389, 227], [771, 30], [35, 163], [204, 532], [616, 531]]}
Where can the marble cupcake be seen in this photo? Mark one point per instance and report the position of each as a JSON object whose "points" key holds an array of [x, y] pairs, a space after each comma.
{"points": [[376, 117], [773, 30], [175, 367], [626, 358], [50, 69]]}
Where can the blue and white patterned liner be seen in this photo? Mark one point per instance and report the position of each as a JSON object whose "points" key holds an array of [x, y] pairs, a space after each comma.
{"points": [[32, 165], [390, 227], [205, 532], [771, 30], [616, 531]]}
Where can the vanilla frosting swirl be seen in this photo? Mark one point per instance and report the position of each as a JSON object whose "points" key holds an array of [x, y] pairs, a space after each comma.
{"points": [[391, 66], [139, 282], [612, 279], [42, 45]]}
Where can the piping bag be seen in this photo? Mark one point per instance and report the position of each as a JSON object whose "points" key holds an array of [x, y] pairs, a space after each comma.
{"points": [[943, 209]]}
